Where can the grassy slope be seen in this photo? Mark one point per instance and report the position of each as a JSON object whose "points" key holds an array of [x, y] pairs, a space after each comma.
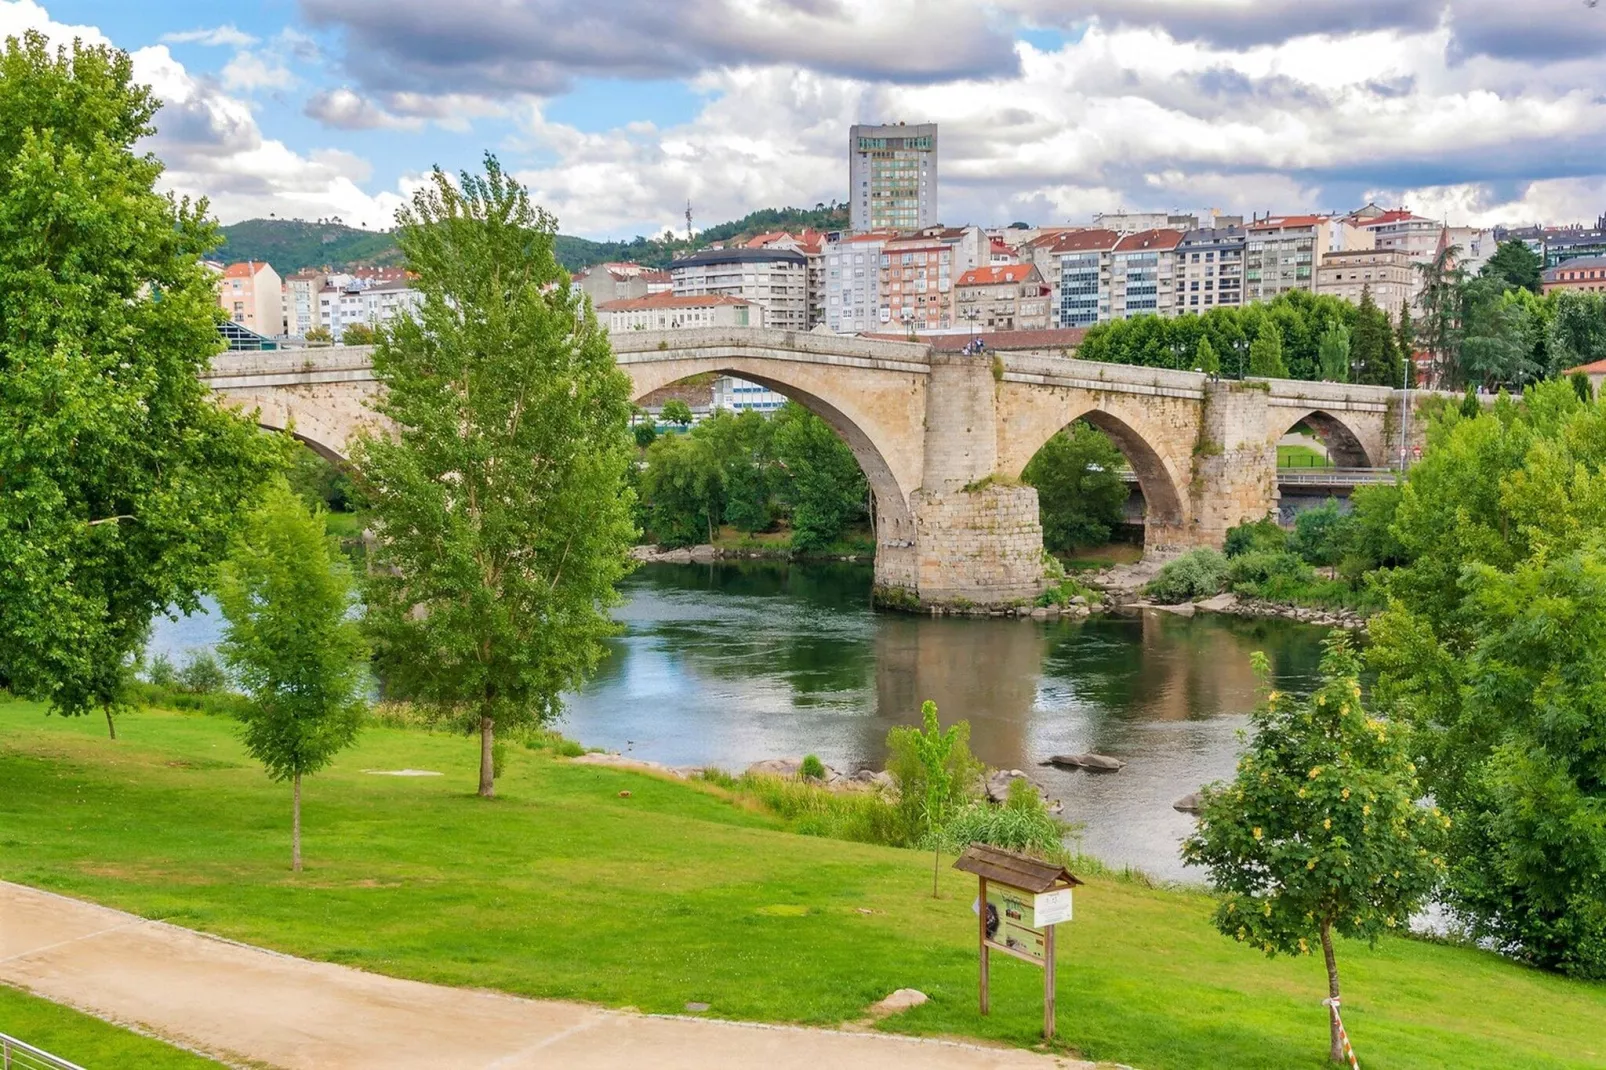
{"points": [[562, 889], [84, 1040]]}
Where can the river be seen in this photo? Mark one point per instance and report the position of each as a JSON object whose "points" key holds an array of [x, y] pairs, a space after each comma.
{"points": [[730, 663]]}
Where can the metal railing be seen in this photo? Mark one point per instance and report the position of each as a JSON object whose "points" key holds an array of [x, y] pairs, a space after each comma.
{"points": [[15, 1055], [1335, 477]]}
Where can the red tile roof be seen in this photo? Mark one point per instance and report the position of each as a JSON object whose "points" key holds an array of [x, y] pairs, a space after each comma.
{"points": [[1083, 241], [243, 269], [1149, 239], [995, 275], [1596, 368], [1394, 215], [669, 301]]}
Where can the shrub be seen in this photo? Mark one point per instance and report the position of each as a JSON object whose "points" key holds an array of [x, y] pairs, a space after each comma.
{"points": [[1319, 533], [1196, 574], [1262, 534], [812, 768], [1262, 565], [904, 763], [201, 674], [161, 671]]}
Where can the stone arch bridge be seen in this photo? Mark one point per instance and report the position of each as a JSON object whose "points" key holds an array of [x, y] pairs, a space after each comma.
{"points": [[942, 437]]}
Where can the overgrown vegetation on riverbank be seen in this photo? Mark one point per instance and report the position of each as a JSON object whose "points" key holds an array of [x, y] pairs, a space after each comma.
{"points": [[707, 899]]}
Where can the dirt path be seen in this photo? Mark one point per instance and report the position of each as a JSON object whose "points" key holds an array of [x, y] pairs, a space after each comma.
{"points": [[246, 1005]]}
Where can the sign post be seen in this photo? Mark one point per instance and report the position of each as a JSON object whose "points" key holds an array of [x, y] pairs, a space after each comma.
{"points": [[1019, 902]]}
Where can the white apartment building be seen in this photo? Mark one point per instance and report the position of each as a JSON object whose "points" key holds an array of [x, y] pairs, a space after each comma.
{"points": [[301, 291], [892, 176], [1281, 253], [1143, 274], [1388, 275], [853, 283], [1011, 297], [776, 280], [738, 395], [811, 243], [672, 312], [1075, 265], [346, 300]]}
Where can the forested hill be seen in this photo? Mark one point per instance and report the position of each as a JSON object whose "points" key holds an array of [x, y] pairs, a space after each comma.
{"points": [[292, 244]]}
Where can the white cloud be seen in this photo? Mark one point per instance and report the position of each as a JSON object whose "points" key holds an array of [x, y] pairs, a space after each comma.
{"points": [[226, 35], [250, 72]]}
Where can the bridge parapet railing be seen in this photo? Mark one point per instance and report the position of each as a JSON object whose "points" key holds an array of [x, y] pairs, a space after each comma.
{"points": [[1336, 477], [16, 1055], [282, 361]]}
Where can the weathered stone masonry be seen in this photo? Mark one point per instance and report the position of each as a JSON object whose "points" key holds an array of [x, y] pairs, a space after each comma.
{"points": [[942, 437]]}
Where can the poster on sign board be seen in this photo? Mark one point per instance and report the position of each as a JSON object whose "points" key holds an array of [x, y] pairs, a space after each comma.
{"points": [[1016, 914]]}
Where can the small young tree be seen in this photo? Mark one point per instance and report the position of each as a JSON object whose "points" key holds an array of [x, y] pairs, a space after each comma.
{"points": [[358, 334], [1321, 831], [677, 412], [503, 514], [1266, 352], [293, 644], [1205, 359], [935, 772]]}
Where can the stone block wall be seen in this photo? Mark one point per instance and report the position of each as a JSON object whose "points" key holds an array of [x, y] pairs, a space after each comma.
{"points": [[983, 546], [1234, 466]]}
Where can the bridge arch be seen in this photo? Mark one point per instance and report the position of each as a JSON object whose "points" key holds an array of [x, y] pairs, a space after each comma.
{"points": [[1161, 475], [324, 428], [1344, 443]]}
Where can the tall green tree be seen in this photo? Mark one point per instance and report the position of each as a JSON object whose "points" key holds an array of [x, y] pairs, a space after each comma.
{"points": [[1494, 646], [683, 491], [1373, 350], [1577, 333], [824, 484], [676, 411], [1266, 352], [1080, 493], [1493, 348], [294, 645], [1440, 302], [1320, 832], [120, 481], [1516, 265], [504, 517], [1204, 357], [1333, 353]]}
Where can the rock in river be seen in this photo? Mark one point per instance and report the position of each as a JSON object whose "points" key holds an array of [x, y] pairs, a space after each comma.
{"points": [[1093, 763], [1188, 804]]}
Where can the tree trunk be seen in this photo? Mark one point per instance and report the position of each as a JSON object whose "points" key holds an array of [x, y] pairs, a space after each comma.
{"points": [[1336, 1053], [487, 764], [295, 824], [936, 856], [111, 726]]}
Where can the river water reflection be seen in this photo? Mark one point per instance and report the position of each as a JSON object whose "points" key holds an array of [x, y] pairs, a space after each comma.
{"points": [[730, 663]]}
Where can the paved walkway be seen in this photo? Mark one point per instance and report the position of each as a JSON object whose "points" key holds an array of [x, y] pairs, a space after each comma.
{"points": [[243, 1004]]}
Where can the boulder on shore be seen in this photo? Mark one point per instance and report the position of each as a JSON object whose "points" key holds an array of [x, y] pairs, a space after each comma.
{"points": [[1093, 763], [999, 780], [788, 767], [1188, 804]]}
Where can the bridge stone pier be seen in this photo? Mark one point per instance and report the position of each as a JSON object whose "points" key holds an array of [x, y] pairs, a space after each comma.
{"points": [[942, 437]]}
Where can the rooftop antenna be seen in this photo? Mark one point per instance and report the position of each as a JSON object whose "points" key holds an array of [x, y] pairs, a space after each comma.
{"points": [[688, 219]]}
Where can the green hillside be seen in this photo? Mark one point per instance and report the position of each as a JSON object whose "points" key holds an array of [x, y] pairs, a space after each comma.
{"points": [[292, 244]]}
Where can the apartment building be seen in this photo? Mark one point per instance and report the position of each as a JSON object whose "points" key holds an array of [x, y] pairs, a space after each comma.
{"points": [[301, 291], [1477, 245], [1388, 274], [671, 312], [916, 283], [1011, 297], [1143, 274], [1210, 269], [853, 283], [252, 294], [1580, 273], [1075, 266], [1281, 253], [892, 176], [774, 279], [348, 298], [811, 243]]}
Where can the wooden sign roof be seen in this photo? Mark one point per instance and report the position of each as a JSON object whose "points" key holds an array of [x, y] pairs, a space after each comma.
{"points": [[1016, 870]]}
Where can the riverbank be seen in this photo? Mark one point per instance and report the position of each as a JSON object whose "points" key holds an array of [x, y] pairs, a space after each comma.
{"points": [[1123, 589], [589, 883]]}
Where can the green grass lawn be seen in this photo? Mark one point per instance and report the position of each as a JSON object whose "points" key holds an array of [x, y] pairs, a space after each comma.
{"points": [[1302, 457], [87, 1041], [561, 888]]}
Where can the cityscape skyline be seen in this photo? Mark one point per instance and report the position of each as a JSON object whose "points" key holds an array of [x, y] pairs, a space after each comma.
{"points": [[1461, 111]]}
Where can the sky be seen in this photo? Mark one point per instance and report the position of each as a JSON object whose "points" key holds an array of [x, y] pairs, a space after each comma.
{"points": [[616, 113]]}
